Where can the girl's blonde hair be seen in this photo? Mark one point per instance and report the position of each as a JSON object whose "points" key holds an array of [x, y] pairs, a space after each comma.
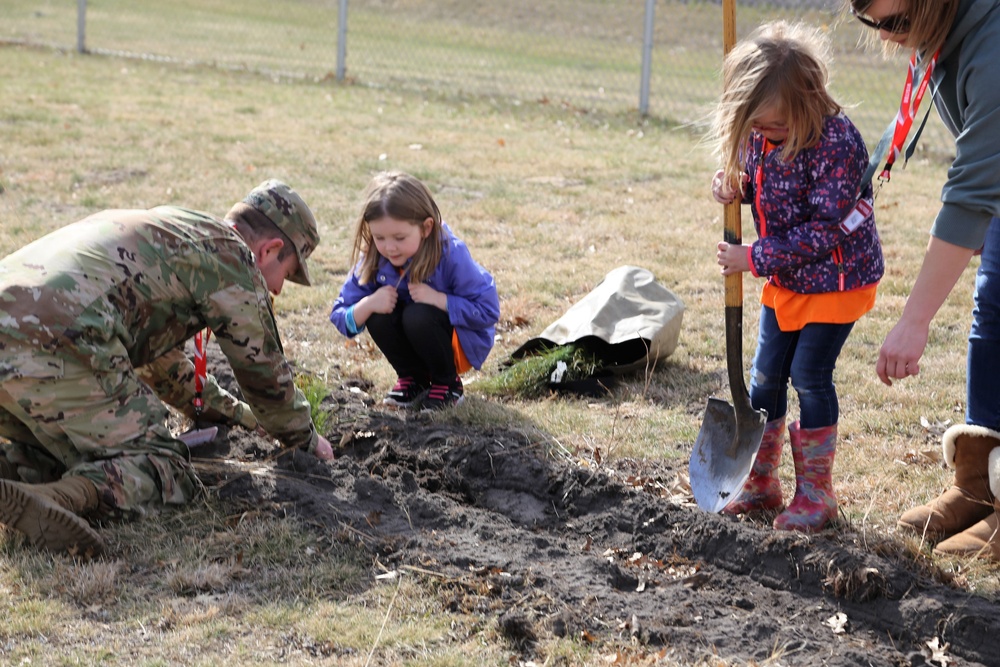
{"points": [[402, 197], [781, 67], [930, 23]]}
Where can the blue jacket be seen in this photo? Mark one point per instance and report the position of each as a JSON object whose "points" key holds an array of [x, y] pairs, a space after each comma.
{"points": [[967, 99], [473, 302], [798, 208]]}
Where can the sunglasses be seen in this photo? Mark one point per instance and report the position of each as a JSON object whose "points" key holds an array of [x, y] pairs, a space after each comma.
{"points": [[896, 24]]}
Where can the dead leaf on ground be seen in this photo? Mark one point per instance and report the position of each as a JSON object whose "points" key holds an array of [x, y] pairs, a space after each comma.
{"points": [[936, 653], [837, 623]]}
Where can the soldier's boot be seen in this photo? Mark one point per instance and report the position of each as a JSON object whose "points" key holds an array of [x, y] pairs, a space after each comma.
{"points": [[49, 514], [762, 490], [983, 538], [969, 500]]}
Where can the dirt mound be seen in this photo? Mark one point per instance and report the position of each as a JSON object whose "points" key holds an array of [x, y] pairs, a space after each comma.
{"points": [[548, 545]]}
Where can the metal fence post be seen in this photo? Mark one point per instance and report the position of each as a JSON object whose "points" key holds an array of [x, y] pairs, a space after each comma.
{"points": [[81, 26], [647, 57], [341, 40]]}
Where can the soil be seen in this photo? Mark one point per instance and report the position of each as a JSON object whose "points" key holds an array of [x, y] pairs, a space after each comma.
{"points": [[548, 542]]}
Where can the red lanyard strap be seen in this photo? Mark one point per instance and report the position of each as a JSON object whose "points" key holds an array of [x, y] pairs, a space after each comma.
{"points": [[891, 144], [908, 104], [200, 370]]}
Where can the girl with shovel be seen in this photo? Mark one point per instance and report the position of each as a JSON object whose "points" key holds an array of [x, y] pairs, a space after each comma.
{"points": [[787, 148]]}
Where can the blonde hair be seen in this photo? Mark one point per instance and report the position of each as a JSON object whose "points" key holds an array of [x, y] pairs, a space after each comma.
{"points": [[401, 197], [781, 67], [930, 23]]}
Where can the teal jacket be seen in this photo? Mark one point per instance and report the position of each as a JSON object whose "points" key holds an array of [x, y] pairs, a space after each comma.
{"points": [[967, 81]]}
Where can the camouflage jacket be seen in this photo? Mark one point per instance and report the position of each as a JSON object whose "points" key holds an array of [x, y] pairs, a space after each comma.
{"points": [[124, 289]]}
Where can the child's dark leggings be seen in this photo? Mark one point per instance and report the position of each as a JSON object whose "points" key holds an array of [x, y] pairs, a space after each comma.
{"points": [[416, 339]]}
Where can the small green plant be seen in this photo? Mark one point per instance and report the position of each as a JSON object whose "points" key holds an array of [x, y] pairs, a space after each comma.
{"points": [[530, 377], [316, 392]]}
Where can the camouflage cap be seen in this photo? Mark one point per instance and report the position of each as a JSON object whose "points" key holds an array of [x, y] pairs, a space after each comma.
{"points": [[285, 208]]}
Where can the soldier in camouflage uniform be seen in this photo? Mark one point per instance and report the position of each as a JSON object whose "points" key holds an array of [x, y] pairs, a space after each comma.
{"points": [[93, 320]]}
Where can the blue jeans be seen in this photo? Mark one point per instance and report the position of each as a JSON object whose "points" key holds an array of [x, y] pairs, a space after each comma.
{"points": [[807, 357], [982, 384]]}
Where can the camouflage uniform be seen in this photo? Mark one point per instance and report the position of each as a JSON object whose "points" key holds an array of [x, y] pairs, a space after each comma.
{"points": [[86, 308]]}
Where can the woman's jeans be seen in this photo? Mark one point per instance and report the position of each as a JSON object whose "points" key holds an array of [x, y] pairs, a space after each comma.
{"points": [[983, 371], [807, 357]]}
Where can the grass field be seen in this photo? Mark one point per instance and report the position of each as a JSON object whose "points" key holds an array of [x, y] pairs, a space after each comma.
{"points": [[586, 54], [548, 199]]}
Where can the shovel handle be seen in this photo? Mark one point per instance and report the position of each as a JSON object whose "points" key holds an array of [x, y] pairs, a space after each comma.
{"points": [[732, 224], [733, 234]]}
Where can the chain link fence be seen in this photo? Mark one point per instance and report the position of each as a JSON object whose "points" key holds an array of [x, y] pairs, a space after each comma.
{"points": [[585, 55]]}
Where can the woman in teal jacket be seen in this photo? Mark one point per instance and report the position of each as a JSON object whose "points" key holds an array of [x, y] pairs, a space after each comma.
{"points": [[958, 41]]}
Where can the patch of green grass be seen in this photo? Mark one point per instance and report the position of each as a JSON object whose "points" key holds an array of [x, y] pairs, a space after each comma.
{"points": [[530, 376], [316, 392]]}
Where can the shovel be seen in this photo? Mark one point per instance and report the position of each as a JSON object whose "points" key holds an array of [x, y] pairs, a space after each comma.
{"points": [[730, 434]]}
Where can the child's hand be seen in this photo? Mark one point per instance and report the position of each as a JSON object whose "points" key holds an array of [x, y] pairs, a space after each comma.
{"points": [[423, 293], [723, 191], [732, 258], [383, 300]]}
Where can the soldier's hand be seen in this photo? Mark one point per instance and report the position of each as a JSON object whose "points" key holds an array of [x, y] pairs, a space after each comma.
{"points": [[323, 451]]}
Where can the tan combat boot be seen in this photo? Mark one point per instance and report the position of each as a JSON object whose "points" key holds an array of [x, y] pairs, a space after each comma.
{"points": [[982, 539], [49, 514], [969, 500]]}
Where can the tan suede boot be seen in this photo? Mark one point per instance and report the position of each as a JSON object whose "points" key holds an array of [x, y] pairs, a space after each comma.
{"points": [[969, 500], [49, 514], [982, 539]]}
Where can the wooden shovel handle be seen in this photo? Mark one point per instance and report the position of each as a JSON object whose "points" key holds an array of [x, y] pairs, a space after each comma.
{"points": [[733, 234], [732, 224]]}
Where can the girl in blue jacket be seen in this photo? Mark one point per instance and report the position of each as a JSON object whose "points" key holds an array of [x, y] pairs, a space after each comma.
{"points": [[429, 307], [799, 162]]}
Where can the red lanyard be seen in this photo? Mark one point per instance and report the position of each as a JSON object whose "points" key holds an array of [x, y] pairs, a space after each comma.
{"points": [[908, 105], [200, 370]]}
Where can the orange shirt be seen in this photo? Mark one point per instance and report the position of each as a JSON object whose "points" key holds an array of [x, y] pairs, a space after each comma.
{"points": [[794, 310]]}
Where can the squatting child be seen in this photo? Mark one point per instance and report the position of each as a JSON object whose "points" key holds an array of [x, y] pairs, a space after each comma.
{"points": [[429, 307]]}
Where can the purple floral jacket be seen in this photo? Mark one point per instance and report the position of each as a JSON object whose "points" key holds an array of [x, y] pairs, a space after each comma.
{"points": [[798, 210]]}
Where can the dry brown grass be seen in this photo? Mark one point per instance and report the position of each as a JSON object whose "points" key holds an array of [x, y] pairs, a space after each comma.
{"points": [[548, 200]]}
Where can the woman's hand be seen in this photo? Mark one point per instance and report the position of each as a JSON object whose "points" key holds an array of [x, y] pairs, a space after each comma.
{"points": [[900, 354]]}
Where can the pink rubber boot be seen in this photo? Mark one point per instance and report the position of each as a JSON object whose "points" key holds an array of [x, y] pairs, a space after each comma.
{"points": [[762, 490], [815, 503]]}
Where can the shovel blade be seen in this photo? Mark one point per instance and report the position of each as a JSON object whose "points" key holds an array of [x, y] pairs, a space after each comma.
{"points": [[723, 454]]}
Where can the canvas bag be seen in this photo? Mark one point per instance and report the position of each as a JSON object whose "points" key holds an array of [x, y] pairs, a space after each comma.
{"points": [[628, 321]]}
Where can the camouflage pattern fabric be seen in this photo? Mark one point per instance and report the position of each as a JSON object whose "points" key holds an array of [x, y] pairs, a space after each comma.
{"points": [[172, 378], [84, 307]]}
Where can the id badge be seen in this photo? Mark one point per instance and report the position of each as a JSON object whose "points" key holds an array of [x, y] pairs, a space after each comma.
{"points": [[861, 212]]}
